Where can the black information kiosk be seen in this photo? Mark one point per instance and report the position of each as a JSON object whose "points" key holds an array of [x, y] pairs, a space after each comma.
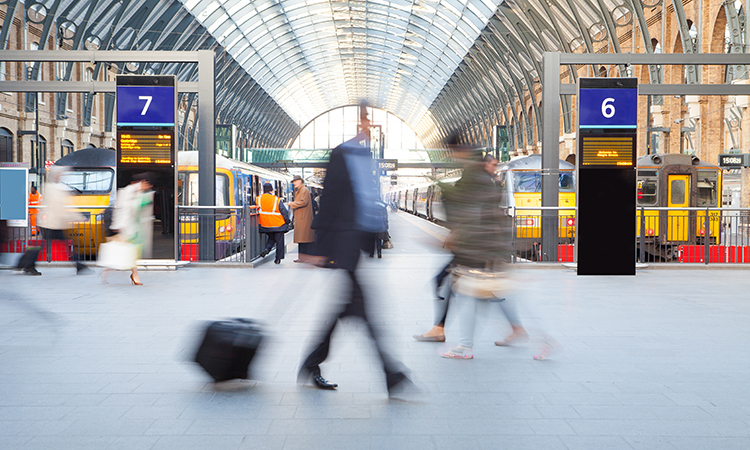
{"points": [[607, 124], [146, 112]]}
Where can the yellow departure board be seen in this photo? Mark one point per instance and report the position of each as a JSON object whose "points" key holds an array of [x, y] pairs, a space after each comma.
{"points": [[145, 147], [608, 151]]}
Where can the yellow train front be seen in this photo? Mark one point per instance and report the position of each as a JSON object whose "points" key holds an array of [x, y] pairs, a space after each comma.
{"points": [[668, 185], [90, 175], [521, 179]]}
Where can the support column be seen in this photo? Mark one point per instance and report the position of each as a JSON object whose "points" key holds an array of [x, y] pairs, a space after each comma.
{"points": [[206, 153], [550, 153]]}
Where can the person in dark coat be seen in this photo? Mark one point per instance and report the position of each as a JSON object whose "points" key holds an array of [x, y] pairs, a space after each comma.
{"points": [[273, 220], [382, 234], [347, 222]]}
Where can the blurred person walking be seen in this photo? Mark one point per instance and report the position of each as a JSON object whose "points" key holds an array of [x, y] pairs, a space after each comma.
{"points": [[302, 206], [132, 225], [346, 224], [274, 221], [57, 218], [443, 280], [481, 242]]}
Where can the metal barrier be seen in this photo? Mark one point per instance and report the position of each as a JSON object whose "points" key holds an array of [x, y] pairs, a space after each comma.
{"points": [[236, 232], [80, 242], [527, 233], [693, 235], [663, 235]]}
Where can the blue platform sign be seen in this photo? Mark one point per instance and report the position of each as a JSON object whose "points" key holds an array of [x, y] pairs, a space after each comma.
{"points": [[608, 108], [145, 106]]}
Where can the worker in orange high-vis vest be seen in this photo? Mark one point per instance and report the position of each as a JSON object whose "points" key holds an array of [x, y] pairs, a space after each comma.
{"points": [[274, 221], [35, 199]]}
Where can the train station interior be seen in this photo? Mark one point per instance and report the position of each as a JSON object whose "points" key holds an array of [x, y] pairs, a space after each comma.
{"points": [[573, 174]]}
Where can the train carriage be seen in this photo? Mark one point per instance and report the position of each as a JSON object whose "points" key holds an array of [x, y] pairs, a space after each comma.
{"points": [[521, 181], [667, 185]]}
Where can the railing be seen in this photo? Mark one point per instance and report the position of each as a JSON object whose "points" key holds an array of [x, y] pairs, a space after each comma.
{"points": [[663, 235], [235, 231], [693, 235], [81, 241], [527, 232]]}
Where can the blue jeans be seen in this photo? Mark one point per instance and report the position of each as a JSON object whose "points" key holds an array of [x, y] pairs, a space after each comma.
{"points": [[468, 315]]}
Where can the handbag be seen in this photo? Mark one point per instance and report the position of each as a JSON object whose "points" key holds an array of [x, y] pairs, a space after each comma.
{"points": [[480, 283], [387, 245], [117, 255]]}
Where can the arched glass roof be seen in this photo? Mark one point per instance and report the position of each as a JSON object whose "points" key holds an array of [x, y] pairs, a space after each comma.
{"points": [[315, 55]]}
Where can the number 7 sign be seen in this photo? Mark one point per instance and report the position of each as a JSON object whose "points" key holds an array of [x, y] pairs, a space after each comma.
{"points": [[152, 106]]}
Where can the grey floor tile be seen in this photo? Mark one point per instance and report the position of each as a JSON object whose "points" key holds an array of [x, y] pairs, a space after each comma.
{"points": [[198, 442], [595, 443], [133, 443], [703, 443], [325, 442], [219, 427], [167, 427], [520, 443]]}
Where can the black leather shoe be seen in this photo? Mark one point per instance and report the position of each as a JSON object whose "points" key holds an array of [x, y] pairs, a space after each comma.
{"points": [[278, 261], [264, 253], [322, 383]]}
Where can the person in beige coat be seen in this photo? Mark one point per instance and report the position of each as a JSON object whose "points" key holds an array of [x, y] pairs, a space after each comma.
{"points": [[304, 235], [56, 218]]}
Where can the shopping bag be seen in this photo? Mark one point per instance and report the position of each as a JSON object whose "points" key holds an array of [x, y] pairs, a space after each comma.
{"points": [[117, 255]]}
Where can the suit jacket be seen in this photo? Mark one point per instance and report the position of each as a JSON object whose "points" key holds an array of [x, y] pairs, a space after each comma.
{"points": [[348, 210]]}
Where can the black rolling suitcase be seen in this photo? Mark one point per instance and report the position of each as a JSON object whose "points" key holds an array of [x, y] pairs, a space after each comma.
{"points": [[228, 347]]}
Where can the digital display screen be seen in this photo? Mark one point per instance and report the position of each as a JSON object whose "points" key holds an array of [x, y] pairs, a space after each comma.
{"points": [[608, 151], [145, 147]]}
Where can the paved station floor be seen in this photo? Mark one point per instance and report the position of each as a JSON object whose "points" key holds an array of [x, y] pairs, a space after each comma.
{"points": [[656, 361]]}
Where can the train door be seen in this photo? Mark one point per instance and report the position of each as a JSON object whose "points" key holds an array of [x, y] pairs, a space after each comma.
{"points": [[678, 197]]}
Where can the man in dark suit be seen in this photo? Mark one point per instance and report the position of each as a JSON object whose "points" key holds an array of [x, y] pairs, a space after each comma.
{"points": [[344, 226]]}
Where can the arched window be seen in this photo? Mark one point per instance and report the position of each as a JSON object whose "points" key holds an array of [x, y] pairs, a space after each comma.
{"points": [[6, 145], [66, 147], [655, 45], [603, 71]]}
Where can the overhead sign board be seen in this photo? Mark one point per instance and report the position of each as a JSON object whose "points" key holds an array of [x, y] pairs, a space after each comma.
{"points": [[146, 106], [734, 160], [606, 107], [387, 164]]}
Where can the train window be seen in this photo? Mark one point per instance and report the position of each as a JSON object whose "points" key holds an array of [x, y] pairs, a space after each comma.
{"points": [[707, 193], [566, 182], [527, 181], [677, 192], [181, 189], [222, 189], [88, 181], [647, 190]]}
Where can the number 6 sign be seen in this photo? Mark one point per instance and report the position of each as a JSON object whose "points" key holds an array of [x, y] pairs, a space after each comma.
{"points": [[607, 108]]}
